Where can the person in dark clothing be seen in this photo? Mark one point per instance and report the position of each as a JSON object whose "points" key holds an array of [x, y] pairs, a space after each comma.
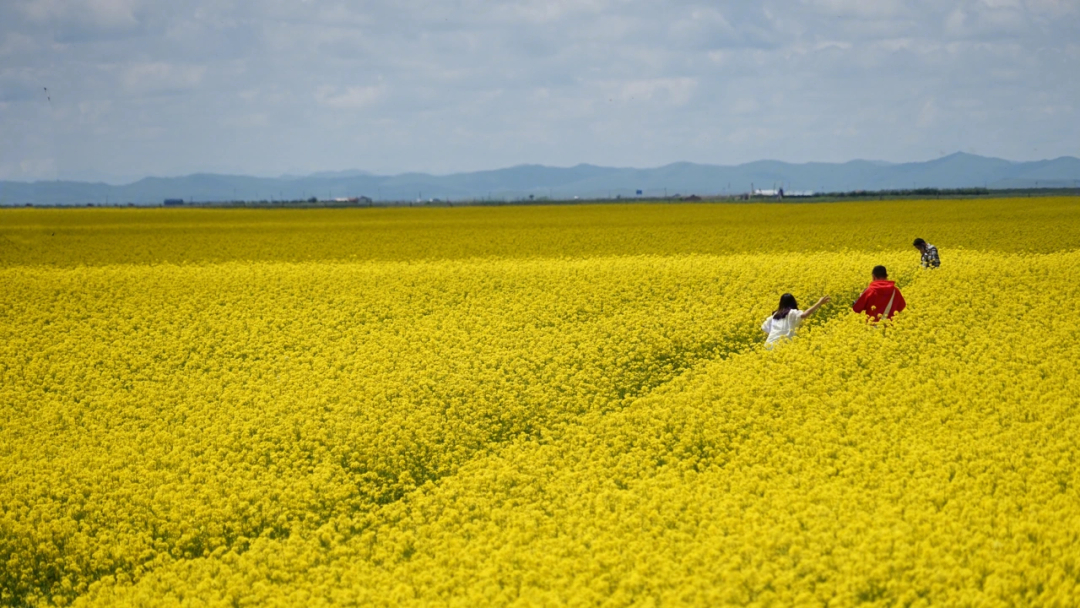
{"points": [[930, 257], [881, 298]]}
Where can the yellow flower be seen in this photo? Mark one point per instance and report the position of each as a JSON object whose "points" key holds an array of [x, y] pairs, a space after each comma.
{"points": [[566, 405]]}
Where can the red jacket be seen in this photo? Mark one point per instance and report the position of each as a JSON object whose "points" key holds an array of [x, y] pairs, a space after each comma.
{"points": [[876, 297]]}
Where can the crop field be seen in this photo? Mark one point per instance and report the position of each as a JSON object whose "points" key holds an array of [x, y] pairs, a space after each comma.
{"points": [[539, 406]]}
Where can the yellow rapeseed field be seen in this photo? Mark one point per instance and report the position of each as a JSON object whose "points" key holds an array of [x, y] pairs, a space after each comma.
{"points": [[538, 406]]}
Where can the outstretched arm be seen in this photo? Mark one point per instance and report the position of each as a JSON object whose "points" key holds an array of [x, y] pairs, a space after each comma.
{"points": [[860, 304], [813, 309]]}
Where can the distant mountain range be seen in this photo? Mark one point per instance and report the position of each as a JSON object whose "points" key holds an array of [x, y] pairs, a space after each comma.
{"points": [[958, 170]]}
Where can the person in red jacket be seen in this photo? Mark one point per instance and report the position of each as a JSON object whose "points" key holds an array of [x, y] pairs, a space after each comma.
{"points": [[881, 298]]}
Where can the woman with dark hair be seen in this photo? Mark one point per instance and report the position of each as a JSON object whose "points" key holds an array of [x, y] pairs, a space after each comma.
{"points": [[930, 258], [787, 317]]}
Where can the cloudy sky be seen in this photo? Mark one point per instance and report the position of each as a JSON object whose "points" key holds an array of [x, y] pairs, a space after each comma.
{"points": [[271, 87]]}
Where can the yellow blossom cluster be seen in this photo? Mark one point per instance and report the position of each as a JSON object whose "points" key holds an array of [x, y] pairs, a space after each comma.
{"points": [[544, 412], [98, 237]]}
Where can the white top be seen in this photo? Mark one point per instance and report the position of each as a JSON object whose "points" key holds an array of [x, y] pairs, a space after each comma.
{"points": [[784, 328]]}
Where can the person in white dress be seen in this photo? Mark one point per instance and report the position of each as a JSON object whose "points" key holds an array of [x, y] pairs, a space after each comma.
{"points": [[787, 317]]}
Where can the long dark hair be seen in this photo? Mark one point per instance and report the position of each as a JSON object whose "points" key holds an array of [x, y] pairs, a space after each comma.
{"points": [[787, 304]]}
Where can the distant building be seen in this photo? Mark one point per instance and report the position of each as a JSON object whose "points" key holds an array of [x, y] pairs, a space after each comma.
{"points": [[781, 193], [174, 202]]}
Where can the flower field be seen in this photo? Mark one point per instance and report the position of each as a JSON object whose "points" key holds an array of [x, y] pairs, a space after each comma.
{"points": [[538, 406]]}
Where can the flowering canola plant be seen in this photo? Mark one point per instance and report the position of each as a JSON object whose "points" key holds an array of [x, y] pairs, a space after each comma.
{"points": [[537, 406]]}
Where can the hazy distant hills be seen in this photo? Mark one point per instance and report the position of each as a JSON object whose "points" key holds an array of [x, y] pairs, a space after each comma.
{"points": [[586, 181]]}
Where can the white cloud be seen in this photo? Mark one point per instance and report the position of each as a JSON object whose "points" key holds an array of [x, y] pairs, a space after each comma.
{"points": [[18, 43], [745, 105], [672, 91], [956, 22], [1054, 8], [860, 9], [349, 98], [469, 84], [893, 45], [160, 77], [547, 11], [94, 111], [247, 121], [704, 25], [98, 13], [988, 19], [927, 115]]}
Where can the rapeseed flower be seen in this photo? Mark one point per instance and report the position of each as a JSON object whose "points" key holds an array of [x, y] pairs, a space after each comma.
{"points": [[504, 411]]}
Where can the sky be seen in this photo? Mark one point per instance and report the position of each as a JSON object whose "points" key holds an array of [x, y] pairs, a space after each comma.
{"points": [[116, 90]]}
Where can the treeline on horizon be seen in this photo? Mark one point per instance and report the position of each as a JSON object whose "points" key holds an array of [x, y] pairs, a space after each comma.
{"points": [[908, 192], [544, 200]]}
